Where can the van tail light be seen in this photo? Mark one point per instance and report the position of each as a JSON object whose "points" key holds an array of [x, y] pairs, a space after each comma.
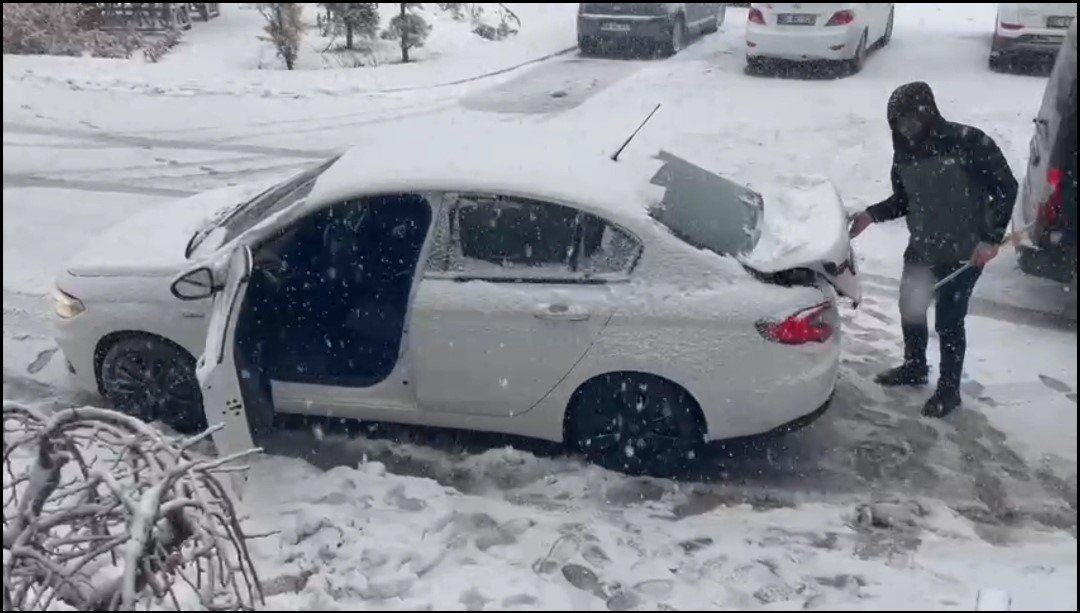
{"points": [[807, 326], [1051, 211], [1011, 26], [755, 16]]}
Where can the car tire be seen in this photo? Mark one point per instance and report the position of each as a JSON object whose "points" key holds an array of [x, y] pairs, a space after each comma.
{"points": [[635, 423], [887, 37], [153, 380], [677, 38], [855, 64], [996, 61], [588, 47]]}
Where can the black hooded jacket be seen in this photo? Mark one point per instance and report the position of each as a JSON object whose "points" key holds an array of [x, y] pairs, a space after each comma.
{"points": [[953, 185]]}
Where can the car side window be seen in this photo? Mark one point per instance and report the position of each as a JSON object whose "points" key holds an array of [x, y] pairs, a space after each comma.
{"points": [[509, 238], [605, 249]]}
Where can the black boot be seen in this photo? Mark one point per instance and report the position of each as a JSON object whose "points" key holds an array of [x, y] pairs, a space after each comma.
{"points": [[944, 401], [908, 373]]}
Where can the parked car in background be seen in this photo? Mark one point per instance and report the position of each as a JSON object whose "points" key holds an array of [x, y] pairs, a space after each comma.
{"points": [[809, 32], [634, 312], [1047, 200], [1024, 29], [627, 25]]}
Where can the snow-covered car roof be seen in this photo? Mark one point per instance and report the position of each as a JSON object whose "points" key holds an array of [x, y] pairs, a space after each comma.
{"points": [[553, 171]]}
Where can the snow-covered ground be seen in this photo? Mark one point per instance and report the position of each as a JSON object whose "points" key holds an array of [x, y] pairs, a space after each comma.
{"points": [[984, 499]]}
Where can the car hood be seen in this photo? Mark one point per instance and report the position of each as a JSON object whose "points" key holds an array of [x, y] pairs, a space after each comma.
{"points": [[152, 242]]}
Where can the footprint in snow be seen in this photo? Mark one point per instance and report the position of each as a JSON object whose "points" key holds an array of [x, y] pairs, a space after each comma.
{"points": [[1055, 384]]}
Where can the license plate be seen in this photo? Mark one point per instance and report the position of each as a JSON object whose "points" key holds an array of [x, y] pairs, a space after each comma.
{"points": [[1058, 22], [794, 19], [610, 26]]}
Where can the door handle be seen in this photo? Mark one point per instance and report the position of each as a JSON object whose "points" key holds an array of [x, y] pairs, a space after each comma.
{"points": [[560, 312]]}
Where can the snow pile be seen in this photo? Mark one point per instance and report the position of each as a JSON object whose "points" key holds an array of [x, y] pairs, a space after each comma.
{"points": [[508, 530]]}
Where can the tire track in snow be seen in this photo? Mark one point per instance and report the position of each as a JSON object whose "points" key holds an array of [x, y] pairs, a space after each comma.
{"points": [[169, 143], [15, 180]]}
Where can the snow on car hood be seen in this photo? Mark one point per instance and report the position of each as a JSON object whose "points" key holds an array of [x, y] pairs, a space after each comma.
{"points": [[802, 225], [151, 243]]}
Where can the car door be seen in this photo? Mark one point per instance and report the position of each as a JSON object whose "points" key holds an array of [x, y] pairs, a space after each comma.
{"points": [[223, 396], [515, 294], [700, 12], [693, 12]]}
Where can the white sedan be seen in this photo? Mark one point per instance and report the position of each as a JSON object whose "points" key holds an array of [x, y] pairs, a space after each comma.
{"points": [[633, 312], [807, 32], [1030, 28]]}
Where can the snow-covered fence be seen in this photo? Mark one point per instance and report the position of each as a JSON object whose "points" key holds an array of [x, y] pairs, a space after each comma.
{"points": [[145, 16], [103, 512]]}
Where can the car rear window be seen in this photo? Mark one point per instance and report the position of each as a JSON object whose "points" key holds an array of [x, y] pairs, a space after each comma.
{"points": [[706, 210]]}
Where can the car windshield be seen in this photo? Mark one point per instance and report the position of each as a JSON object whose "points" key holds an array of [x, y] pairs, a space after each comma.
{"points": [[240, 219], [707, 210]]}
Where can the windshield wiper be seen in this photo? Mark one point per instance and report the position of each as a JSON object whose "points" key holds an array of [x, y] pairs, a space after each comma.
{"points": [[191, 244]]}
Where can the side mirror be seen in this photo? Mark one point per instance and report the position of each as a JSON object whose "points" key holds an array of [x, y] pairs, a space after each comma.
{"points": [[194, 285]]}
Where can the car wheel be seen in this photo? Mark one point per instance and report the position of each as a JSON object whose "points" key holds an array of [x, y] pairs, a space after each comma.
{"points": [[635, 423], [887, 37], [996, 62], [677, 39], [588, 47], [154, 381], [855, 64]]}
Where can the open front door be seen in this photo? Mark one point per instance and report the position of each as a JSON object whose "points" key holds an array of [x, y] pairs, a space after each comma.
{"points": [[223, 399]]}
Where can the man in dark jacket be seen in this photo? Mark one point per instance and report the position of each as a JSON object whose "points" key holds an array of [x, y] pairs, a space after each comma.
{"points": [[954, 187]]}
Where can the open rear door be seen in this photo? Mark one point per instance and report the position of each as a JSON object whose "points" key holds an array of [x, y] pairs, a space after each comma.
{"points": [[223, 399]]}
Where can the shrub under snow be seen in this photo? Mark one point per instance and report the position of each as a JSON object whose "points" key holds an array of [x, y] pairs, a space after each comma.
{"points": [[103, 512], [65, 28]]}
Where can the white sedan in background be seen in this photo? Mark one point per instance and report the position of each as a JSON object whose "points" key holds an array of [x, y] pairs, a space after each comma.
{"points": [[1033, 28], [633, 314], [809, 32]]}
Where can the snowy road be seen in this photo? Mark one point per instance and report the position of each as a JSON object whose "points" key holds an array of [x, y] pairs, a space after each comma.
{"points": [[989, 496]]}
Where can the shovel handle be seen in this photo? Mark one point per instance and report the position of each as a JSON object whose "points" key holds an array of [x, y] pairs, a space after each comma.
{"points": [[1009, 238]]}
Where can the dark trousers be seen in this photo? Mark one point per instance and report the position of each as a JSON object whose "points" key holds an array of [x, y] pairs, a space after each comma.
{"points": [[916, 293]]}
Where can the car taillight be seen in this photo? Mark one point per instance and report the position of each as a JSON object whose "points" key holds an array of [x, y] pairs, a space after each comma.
{"points": [[1011, 26], [1051, 211], [755, 16], [808, 326], [841, 18]]}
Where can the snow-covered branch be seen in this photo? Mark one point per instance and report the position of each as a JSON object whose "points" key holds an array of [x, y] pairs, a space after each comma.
{"points": [[103, 512]]}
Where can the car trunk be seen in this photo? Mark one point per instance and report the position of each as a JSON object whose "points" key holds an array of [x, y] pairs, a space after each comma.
{"points": [[801, 16], [624, 8], [1036, 15], [796, 237]]}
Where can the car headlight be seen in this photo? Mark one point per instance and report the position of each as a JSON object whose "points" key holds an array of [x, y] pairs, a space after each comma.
{"points": [[66, 306]]}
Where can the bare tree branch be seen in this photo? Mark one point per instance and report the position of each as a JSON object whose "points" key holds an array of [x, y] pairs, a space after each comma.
{"points": [[103, 512]]}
